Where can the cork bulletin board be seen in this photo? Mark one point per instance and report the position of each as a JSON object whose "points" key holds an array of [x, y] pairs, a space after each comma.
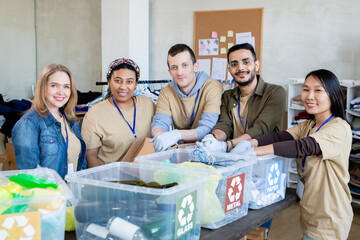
{"points": [[222, 29]]}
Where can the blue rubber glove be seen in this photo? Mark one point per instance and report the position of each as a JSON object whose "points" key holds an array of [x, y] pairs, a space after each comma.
{"points": [[164, 140], [211, 144], [241, 147]]}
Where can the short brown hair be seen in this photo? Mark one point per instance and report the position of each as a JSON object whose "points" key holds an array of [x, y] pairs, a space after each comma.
{"points": [[39, 103], [179, 48]]}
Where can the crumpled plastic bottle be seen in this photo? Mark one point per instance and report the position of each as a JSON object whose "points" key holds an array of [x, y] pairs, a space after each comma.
{"points": [[30, 181]]}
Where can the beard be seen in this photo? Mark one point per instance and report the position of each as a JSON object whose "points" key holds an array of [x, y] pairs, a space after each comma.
{"points": [[248, 82]]}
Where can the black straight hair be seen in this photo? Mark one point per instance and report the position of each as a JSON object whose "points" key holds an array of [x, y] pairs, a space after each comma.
{"points": [[246, 46], [332, 86]]}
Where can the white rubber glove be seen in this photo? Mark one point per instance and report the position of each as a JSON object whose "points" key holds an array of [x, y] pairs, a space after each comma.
{"points": [[249, 152], [241, 147], [164, 140], [206, 140], [211, 144]]}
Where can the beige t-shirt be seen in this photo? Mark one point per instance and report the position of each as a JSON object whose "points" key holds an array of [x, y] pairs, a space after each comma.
{"points": [[238, 128], [209, 101], [74, 146], [103, 127], [325, 209]]}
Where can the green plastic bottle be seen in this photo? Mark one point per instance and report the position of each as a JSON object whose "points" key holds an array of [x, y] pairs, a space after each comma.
{"points": [[30, 181]]}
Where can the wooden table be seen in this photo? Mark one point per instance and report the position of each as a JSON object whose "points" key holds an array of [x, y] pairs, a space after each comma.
{"points": [[252, 220], [243, 226]]}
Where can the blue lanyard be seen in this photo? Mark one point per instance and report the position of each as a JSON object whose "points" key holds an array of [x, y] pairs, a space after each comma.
{"points": [[193, 111], [67, 136], [304, 159], [131, 128], [246, 115]]}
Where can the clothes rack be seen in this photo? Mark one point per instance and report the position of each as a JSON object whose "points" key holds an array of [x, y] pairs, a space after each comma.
{"points": [[139, 82]]}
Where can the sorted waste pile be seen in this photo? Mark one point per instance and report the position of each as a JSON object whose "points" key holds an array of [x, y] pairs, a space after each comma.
{"points": [[32, 206]]}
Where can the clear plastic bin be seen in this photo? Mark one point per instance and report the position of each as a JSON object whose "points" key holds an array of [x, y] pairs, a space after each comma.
{"points": [[268, 181], [226, 194], [41, 216], [169, 213]]}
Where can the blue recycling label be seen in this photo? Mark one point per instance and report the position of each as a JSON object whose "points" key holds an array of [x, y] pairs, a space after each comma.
{"points": [[273, 177]]}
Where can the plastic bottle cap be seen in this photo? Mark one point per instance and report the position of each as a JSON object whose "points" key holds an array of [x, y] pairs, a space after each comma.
{"points": [[97, 230], [122, 229]]}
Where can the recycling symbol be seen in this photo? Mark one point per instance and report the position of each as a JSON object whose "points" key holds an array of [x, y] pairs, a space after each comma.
{"points": [[186, 202], [235, 192], [22, 223], [274, 174]]}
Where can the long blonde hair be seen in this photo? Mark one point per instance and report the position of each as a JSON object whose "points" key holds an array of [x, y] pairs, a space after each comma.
{"points": [[39, 103]]}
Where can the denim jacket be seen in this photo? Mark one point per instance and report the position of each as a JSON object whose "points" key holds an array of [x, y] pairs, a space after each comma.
{"points": [[38, 141]]}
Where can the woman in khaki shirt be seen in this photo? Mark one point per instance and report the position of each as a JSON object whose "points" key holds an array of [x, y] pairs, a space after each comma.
{"points": [[322, 146], [110, 127]]}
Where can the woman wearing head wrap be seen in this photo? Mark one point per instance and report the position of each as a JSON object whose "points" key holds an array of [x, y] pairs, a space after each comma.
{"points": [[48, 135], [110, 127]]}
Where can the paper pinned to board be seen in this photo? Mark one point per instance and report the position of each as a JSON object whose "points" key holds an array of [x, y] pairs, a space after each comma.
{"points": [[244, 34], [222, 39], [230, 33], [223, 50], [219, 68], [208, 47], [204, 65], [250, 40], [245, 38], [214, 34]]}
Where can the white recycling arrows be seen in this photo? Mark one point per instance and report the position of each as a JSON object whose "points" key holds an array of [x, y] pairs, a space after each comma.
{"points": [[3, 234], [29, 230], [8, 223], [21, 220], [274, 174], [235, 182], [186, 201], [181, 218]]}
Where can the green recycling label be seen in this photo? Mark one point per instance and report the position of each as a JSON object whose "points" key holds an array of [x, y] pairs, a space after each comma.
{"points": [[185, 214]]}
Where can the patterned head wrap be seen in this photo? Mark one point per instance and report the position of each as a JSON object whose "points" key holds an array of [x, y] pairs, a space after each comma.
{"points": [[120, 61]]}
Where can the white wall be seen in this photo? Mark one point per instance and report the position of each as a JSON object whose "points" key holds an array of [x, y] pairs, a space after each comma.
{"points": [[298, 36], [67, 32], [17, 48], [125, 33], [139, 35], [114, 31]]}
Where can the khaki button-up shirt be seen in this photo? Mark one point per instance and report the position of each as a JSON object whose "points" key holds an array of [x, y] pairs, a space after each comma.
{"points": [[265, 110]]}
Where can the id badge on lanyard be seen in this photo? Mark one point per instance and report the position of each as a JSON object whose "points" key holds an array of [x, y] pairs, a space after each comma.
{"points": [[71, 168], [300, 188]]}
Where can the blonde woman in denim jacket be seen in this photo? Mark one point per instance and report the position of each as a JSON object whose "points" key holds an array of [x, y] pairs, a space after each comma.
{"points": [[48, 135]]}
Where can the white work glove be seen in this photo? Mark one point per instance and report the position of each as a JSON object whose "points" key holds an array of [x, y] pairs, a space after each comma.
{"points": [[249, 152], [164, 140], [241, 147], [211, 144]]}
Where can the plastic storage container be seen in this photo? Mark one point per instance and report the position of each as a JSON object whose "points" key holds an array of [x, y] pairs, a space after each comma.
{"points": [[40, 215], [227, 193], [106, 208], [268, 181]]}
